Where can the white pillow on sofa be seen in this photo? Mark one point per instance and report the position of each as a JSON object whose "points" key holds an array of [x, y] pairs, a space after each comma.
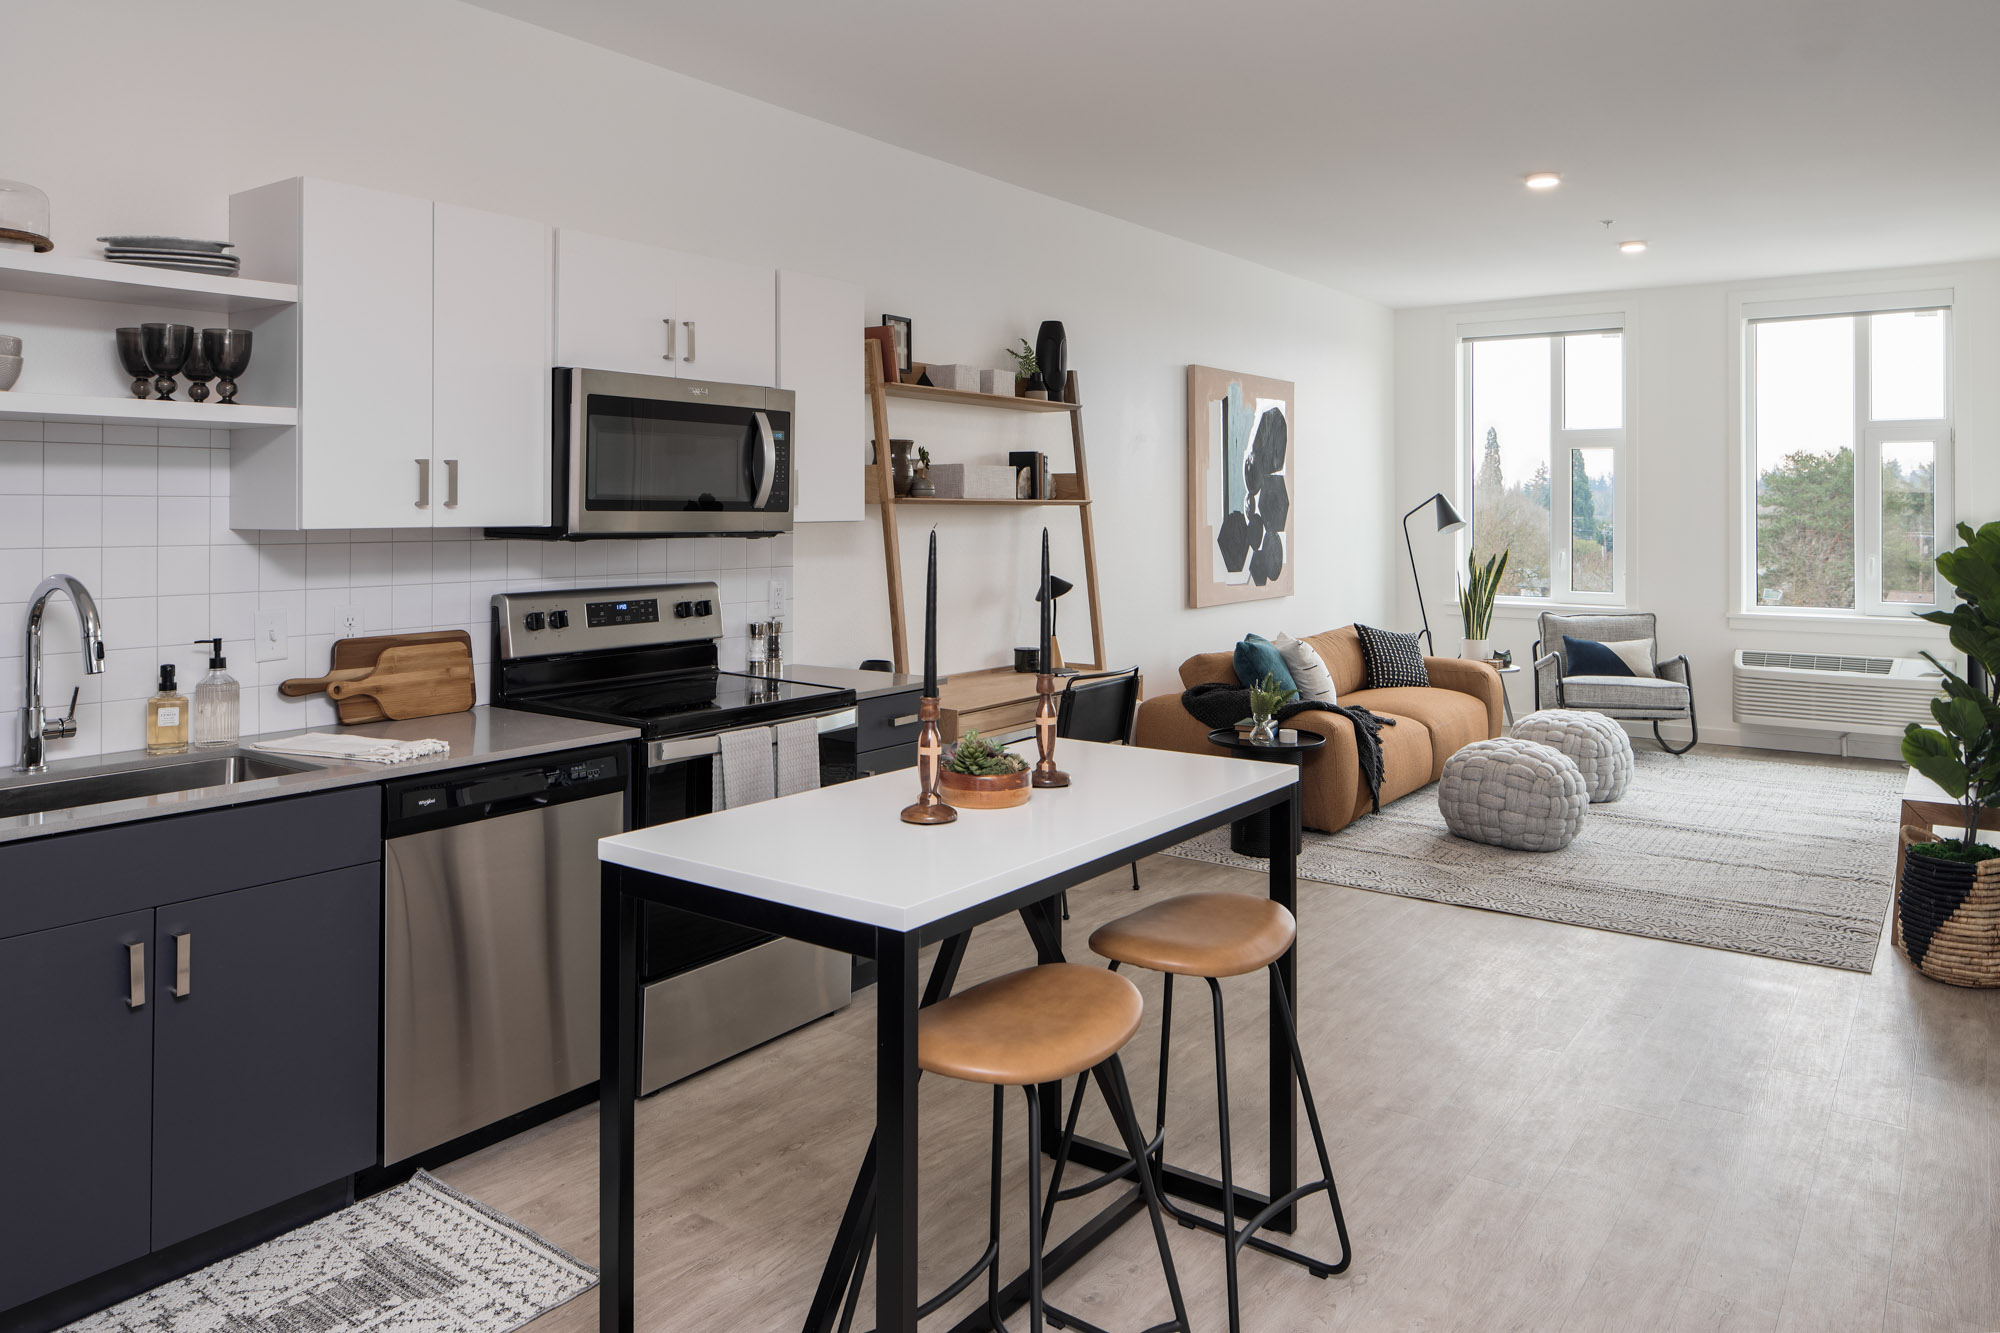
{"points": [[1308, 669]]}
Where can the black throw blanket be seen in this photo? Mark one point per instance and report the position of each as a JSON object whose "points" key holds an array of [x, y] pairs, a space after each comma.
{"points": [[1218, 705]]}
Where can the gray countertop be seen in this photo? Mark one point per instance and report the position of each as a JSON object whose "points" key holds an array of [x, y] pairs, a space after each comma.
{"points": [[476, 737], [865, 684]]}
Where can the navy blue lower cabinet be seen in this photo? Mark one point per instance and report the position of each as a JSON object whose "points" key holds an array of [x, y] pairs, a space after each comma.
{"points": [[264, 1046], [76, 1045]]}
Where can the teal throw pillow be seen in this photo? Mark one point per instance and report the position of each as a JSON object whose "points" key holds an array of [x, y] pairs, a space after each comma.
{"points": [[1256, 658]]}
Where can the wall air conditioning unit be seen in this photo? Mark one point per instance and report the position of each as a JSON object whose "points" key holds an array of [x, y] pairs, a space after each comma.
{"points": [[1856, 696]]}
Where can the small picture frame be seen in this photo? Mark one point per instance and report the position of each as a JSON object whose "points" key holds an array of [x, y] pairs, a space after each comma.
{"points": [[901, 324]]}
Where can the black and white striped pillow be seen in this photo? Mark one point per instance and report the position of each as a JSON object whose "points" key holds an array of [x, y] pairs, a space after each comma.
{"points": [[1393, 659]]}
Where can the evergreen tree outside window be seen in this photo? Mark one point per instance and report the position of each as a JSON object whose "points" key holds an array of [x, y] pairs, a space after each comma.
{"points": [[1545, 439]]}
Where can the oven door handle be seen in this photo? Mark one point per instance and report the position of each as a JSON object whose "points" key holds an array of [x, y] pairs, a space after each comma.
{"points": [[770, 459], [700, 747]]}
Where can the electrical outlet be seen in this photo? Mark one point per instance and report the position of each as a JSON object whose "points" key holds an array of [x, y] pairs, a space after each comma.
{"points": [[778, 593], [272, 640], [347, 621]]}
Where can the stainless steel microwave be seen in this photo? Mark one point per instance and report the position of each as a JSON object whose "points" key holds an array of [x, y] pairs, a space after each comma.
{"points": [[651, 456]]}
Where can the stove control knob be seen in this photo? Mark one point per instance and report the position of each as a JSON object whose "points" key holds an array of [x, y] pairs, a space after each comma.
{"points": [[683, 610], [704, 608], [558, 620], [532, 621]]}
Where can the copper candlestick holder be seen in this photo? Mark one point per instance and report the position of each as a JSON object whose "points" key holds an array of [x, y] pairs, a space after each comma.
{"points": [[1046, 773], [930, 807]]}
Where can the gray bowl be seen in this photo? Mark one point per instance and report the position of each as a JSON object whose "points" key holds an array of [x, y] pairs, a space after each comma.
{"points": [[10, 345], [10, 370]]}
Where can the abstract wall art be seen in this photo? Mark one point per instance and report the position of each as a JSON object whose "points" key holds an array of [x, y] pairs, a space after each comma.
{"points": [[1241, 484]]}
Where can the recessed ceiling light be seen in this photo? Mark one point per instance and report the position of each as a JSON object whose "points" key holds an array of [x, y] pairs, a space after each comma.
{"points": [[1632, 247], [1543, 180]]}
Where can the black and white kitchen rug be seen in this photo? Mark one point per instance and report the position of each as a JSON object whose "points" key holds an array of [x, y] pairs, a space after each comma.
{"points": [[420, 1258]]}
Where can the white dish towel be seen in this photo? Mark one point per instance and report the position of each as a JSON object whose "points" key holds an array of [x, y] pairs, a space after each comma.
{"points": [[353, 749], [798, 756], [743, 770]]}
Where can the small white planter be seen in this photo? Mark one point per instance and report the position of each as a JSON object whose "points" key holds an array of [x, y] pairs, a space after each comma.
{"points": [[1475, 650]]}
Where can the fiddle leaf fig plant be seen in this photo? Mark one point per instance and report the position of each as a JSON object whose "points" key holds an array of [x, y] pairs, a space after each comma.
{"points": [[1962, 753], [976, 757]]}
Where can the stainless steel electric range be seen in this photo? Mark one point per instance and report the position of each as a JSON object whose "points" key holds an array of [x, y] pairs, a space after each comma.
{"points": [[646, 657]]}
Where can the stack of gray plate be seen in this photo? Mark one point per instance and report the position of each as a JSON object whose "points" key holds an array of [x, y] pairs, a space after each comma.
{"points": [[176, 252]]}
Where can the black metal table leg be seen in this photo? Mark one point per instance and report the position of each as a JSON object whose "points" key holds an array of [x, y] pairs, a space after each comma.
{"points": [[617, 1098], [896, 1132], [1284, 891]]}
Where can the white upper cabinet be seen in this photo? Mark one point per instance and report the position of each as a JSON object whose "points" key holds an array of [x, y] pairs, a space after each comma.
{"points": [[491, 295], [647, 311], [422, 362], [820, 361]]}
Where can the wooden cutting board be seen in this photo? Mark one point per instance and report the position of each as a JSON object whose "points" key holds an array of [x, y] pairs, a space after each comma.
{"points": [[357, 659], [416, 680]]}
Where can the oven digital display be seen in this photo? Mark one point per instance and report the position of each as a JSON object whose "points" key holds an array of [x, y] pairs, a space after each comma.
{"points": [[636, 612]]}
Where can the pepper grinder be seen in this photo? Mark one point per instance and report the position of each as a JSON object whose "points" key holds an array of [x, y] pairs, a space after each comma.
{"points": [[774, 647], [755, 664]]}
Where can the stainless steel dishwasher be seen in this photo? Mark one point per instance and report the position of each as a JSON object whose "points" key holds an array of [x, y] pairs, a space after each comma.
{"points": [[490, 941]]}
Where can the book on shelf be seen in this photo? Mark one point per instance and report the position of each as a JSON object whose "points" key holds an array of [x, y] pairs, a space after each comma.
{"points": [[1037, 465]]}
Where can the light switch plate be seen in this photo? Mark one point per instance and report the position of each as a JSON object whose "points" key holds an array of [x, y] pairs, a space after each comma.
{"points": [[273, 640]]}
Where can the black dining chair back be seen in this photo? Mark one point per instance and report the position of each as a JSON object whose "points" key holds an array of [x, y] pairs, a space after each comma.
{"points": [[1101, 707]]}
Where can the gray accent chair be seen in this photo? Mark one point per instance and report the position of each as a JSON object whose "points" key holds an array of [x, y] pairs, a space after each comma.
{"points": [[1665, 697]]}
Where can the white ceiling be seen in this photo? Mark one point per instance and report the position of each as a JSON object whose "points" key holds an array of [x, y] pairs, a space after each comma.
{"points": [[1378, 146]]}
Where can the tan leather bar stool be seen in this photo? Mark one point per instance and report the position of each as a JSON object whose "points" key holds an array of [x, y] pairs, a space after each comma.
{"points": [[1212, 935], [1039, 1025]]}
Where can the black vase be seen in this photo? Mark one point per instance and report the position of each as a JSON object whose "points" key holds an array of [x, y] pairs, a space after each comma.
{"points": [[1052, 355]]}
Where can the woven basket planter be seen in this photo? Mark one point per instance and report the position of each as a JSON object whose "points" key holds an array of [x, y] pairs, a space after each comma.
{"points": [[1949, 915]]}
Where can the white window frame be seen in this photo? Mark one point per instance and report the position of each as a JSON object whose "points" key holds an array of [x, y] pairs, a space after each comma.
{"points": [[1561, 442], [1869, 437]]}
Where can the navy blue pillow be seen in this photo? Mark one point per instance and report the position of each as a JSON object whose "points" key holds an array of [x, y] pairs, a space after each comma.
{"points": [[1257, 657], [1587, 657]]}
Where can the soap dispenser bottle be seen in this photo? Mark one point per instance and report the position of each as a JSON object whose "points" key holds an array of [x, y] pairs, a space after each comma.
{"points": [[217, 710], [167, 716]]}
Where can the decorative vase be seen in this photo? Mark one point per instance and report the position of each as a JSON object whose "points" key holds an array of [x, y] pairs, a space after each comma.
{"points": [[1948, 915], [899, 460], [921, 485], [1052, 355], [1034, 386], [1475, 650], [1263, 728], [996, 791]]}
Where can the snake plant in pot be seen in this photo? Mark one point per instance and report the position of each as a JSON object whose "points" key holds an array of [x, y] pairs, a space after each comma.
{"points": [[1948, 905], [1475, 603]]}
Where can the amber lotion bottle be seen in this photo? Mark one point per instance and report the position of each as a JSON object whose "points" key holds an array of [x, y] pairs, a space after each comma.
{"points": [[167, 716]]}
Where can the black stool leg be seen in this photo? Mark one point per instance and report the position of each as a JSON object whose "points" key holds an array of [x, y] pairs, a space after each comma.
{"points": [[1312, 1117], [1228, 1155], [1110, 1078], [1034, 1208], [993, 1210], [1135, 877]]}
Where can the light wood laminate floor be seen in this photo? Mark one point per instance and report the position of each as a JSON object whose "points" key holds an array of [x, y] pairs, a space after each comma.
{"points": [[1535, 1126]]}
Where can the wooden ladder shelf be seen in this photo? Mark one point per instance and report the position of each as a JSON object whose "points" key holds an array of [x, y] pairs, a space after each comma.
{"points": [[1072, 491]]}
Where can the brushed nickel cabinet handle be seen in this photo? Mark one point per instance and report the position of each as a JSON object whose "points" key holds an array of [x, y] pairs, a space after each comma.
{"points": [[423, 483], [670, 339], [135, 963], [183, 947], [690, 328], [451, 483]]}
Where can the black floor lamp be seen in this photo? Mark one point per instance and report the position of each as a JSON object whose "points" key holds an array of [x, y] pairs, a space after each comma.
{"points": [[1448, 521]]}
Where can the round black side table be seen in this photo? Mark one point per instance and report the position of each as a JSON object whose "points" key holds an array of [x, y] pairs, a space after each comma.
{"points": [[1252, 836]]}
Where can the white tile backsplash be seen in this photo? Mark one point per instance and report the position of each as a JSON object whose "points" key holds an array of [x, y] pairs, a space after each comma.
{"points": [[141, 515]]}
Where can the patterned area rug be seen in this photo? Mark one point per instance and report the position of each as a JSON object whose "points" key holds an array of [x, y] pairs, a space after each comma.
{"points": [[1789, 861], [420, 1258]]}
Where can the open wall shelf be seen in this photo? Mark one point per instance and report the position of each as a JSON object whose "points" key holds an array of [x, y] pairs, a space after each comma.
{"points": [[1072, 489], [133, 284], [130, 411]]}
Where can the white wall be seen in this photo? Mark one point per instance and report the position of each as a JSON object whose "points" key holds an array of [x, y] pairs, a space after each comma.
{"points": [[445, 101], [1679, 528]]}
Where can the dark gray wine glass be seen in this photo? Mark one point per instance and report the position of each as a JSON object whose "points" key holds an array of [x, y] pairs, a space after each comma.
{"points": [[228, 351], [166, 348]]}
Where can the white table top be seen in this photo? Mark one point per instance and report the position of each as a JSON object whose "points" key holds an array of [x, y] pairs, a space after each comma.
{"points": [[843, 851]]}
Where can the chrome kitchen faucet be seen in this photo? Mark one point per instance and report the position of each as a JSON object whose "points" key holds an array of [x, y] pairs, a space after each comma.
{"points": [[36, 728]]}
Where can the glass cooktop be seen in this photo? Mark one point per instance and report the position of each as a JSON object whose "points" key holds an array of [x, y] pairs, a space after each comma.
{"points": [[690, 702]]}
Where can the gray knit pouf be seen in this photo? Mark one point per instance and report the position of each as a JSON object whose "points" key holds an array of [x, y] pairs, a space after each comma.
{"points": [[1513, 793], [1599, 746]]}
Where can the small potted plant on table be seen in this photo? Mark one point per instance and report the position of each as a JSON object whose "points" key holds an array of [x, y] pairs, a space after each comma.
{"points": [[1475, 604], [1028, 373], [1948, 905], [1266, 698], [979, 775], [921, 485]]}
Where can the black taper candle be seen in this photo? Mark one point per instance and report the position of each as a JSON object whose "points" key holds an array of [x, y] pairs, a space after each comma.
{"points": [[1048, 605], [930, 624]]}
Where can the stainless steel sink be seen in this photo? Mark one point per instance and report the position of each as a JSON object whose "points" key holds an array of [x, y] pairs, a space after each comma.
{"points": [[188, 773]]}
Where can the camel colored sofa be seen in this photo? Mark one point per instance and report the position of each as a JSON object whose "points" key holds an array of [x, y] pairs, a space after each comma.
{"points": [[1461, 705]]}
